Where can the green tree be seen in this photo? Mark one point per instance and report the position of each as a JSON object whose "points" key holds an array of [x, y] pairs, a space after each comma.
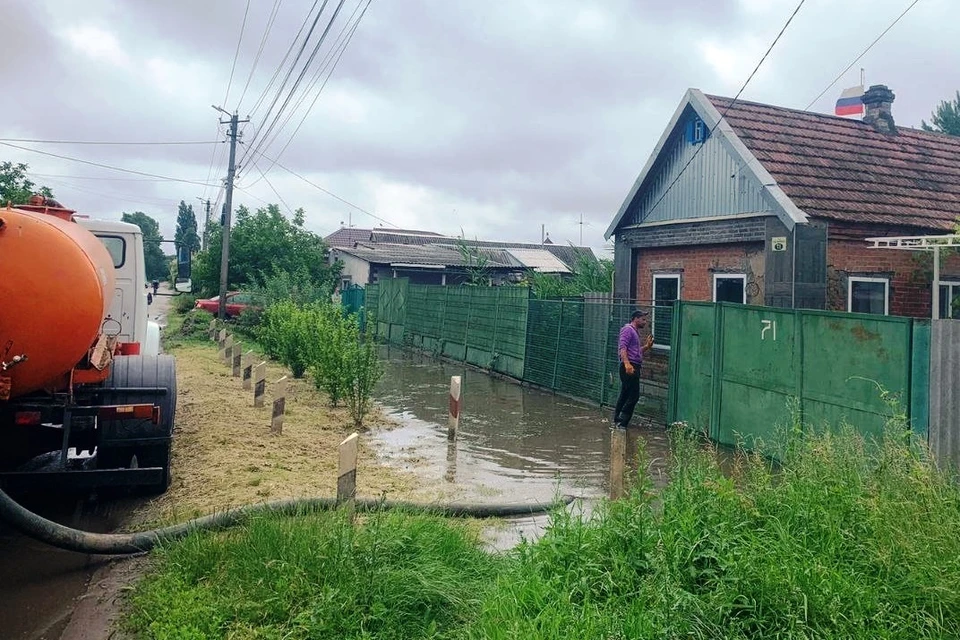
{"points": [[15, 187], [186, 234], [262, 243], [945, 118], [155, 262]]}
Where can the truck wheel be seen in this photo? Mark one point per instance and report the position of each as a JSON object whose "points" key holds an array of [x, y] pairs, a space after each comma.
{"points": [[149, 371]]}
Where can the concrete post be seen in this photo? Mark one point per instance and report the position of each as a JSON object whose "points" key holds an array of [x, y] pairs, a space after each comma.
{"points": [[235, 360], [247, 374], [279, 405], [213, 330], [259, 384], [228, 350], [347, 469]]}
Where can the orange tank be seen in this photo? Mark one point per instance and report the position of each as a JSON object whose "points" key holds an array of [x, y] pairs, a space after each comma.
{"points": [[56, 283]]}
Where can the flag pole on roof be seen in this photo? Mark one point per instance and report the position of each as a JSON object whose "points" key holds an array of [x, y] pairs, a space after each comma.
{"points": [[850, 102]]}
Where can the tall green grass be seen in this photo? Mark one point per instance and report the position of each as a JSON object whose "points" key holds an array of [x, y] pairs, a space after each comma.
{"points": [[843, 539]]}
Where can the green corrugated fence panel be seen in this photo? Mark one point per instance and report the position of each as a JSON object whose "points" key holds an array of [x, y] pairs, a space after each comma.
{"points": [[693, 360], [847, 360], [920, 378]]}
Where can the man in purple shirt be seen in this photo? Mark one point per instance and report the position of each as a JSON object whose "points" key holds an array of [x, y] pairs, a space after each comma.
{"points": [[630, 354]]}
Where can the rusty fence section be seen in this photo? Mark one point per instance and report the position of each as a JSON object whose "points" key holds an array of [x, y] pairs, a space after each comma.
{"points": [[944, 418]]}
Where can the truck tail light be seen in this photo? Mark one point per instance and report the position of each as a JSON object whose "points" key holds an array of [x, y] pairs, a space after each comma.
{"points": [[131, 411], [26, 418]]}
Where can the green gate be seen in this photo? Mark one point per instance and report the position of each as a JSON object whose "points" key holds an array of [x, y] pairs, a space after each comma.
{"points": [[739, 373]]}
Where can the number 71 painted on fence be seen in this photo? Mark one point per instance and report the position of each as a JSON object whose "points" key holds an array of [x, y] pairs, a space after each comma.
{"points": [[767, 326]]}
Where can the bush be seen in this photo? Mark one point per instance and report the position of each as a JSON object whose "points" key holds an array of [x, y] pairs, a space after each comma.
{"points": [[184, 303], [285, 336], [196, 324]]}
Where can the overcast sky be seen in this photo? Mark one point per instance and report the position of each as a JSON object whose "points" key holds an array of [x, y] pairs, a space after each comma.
{"points": [[493, 116]]}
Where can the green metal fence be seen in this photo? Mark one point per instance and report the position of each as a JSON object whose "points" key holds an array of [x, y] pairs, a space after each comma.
{"points": [[567, 346], [740, 373]]}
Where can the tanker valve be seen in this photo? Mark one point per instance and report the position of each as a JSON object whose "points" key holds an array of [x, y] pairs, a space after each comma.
{"points": [[6, 366]]}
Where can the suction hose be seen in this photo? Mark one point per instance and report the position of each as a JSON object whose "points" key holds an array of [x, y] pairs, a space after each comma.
{"points": [[63, 537]]}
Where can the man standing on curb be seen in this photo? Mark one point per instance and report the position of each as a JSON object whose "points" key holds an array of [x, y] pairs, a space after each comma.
{"points": [[630, 354]]}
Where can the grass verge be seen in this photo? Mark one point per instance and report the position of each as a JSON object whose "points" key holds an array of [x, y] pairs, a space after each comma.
{"points": [[846, 540]]}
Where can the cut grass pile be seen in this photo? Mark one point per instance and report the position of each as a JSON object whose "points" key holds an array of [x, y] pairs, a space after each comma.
{"points": [[845, 540]]}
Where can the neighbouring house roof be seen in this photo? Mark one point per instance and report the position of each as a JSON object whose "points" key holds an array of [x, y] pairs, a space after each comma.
{"points": [[539, 260], [567, 255], [845, 170], [429, 255]]}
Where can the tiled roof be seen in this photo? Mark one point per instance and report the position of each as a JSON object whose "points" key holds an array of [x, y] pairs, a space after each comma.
{"points": [[844, 170], [347, 237]]}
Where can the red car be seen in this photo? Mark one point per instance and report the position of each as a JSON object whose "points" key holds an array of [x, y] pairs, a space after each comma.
{"points": [[237, 301]]}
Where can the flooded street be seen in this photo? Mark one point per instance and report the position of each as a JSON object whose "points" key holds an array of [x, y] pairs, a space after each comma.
{"points": [[514, 444]]}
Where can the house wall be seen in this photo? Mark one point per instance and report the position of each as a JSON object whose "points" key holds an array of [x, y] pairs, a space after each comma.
{"points": [[357, 269], [697, 266], [910, 273]]}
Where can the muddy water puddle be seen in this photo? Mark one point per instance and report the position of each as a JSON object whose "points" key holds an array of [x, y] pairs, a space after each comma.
{"points": [[514, 444]]}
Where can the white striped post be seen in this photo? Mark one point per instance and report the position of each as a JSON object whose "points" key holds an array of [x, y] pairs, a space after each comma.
{"points": [[347, 469], [236, 358], [259, 384], [279, 405], [454, 422], [247, 374]]}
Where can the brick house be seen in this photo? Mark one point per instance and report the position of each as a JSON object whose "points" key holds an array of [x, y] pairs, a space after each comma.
{"points": [[752, 203]]}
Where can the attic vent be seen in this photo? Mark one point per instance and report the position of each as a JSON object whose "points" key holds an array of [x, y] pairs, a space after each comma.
{"points": [[696, 131]]}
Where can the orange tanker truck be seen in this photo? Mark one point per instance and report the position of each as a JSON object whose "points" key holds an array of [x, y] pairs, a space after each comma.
{"points": [[81, 403]]}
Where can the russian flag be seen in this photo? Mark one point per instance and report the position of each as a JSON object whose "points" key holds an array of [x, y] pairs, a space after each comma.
{"points": [[850, 102]]}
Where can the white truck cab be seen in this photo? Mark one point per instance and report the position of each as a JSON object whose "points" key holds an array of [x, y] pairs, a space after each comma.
{"points": [[124, 241]]}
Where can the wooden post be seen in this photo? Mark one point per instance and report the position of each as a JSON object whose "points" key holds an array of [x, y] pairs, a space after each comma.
{"points": [[454, 422], [279, 405], [259, 384], [247, 373], [235, 360], [618, 456], [213, 330], [347, 471]]}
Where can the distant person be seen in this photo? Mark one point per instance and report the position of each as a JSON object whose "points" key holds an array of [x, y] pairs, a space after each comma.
{"points": [[156, 285], [630, 353], [336, 298]]}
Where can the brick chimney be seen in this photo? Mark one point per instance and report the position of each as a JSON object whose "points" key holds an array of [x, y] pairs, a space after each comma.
{"points": [[878, 100]]}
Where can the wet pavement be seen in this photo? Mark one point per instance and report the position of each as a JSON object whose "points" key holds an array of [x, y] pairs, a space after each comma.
{"points": [[514, 444]]}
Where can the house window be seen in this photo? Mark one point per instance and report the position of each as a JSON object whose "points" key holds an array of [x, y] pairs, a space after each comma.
{"points": [[666, 289], [730, 287], [868, 295], [696, 131], [950, 299]]}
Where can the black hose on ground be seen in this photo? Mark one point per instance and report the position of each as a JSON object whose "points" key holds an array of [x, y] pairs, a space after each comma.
{"points": [[63, 537]]}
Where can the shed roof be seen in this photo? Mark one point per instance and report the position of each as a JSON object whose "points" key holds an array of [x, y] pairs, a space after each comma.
{"points": [[434, 254], [842, 169], [539, 260]]}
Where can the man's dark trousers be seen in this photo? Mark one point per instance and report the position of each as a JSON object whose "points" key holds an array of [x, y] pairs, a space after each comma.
{"points": [[629, 395]]}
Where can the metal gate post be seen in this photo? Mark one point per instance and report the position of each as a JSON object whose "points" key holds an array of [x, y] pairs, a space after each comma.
{"points": [[606, 345], [496, 326], [466, 329], [556, 351]]}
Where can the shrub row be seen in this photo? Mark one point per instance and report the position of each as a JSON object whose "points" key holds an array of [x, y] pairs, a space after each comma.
{"points": [[320, 339]]}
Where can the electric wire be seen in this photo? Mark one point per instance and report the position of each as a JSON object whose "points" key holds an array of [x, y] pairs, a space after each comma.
{"points": [[727, 109], [236, 54], [301, 75], [105, 166], [263, 42], [112, 142], [862, 53]]}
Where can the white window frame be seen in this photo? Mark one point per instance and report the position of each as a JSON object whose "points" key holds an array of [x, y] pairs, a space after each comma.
{"points": [[886, 291], [653, 315], [731, 276], [950, 284]]}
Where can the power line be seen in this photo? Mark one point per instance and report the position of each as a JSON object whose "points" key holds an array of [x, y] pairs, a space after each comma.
{"points": [[862, 53], [728, 107], [329, 193], [113, 196], [255, 143], [336, 62], [104, 178], [105, 166], [276, 73], [272, 188], [263, 42], [110, 142], [236, 53]]}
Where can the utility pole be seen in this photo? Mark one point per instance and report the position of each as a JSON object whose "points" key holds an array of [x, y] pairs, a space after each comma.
{"points": [[228, 209], [206, 225]]}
